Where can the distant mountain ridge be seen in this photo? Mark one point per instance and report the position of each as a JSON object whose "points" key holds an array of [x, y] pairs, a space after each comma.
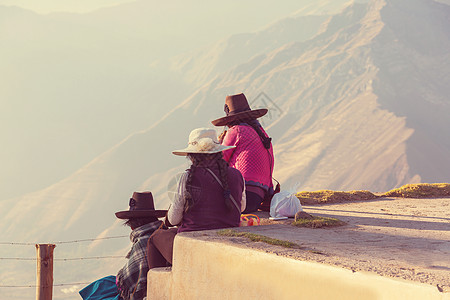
{"points": [[364, 105], [73, 84], [327, 87], [202, 66], [414, 80]]}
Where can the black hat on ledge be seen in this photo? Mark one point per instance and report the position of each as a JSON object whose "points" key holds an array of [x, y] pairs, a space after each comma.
{"points": [[141, 206]]}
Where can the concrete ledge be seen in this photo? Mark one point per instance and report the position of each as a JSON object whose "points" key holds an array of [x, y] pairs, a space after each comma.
{"points": [[390, 249], [217, 270], [159, 285]]}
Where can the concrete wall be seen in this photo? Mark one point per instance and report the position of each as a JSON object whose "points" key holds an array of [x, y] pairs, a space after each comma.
{"points": [[215, 270]]}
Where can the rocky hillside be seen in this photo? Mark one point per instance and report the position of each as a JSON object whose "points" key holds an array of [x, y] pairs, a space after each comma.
{"points": [[359, 102]]}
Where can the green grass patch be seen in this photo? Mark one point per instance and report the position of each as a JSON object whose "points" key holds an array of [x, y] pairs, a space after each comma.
{"points": [[257, 238], [318, 222]]}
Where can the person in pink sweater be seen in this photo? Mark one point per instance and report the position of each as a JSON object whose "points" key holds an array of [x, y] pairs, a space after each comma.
{"points": [[253, 153]]}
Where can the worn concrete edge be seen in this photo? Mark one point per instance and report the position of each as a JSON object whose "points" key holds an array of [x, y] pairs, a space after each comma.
{"points": [[211, 269]]}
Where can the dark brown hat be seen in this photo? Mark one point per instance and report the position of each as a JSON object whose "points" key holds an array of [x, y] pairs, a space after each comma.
{"points": [[236, 107], [141, 206]]}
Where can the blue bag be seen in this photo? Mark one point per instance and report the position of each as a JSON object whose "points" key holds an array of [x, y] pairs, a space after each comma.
{"points": [[102, 289]]}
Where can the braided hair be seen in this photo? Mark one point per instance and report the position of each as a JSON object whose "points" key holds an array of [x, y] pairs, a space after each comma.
{"points": [[257, 127], [206, 160], [223, 172]]}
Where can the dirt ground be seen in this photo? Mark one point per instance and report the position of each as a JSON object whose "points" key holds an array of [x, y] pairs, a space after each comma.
{"points": [[393, 237]]}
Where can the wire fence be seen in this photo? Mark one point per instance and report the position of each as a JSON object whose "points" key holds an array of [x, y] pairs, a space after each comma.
{"points": [[64, 242], [35, 286], [35, 259], [61, 259]]}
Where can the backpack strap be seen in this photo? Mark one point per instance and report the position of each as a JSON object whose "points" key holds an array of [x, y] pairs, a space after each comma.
{"points": [[220, 182]]}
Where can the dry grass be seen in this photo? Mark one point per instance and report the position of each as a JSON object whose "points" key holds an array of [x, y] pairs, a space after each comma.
{"points": [[318, 222], [421, 190], [257, 238], [327, 196]]}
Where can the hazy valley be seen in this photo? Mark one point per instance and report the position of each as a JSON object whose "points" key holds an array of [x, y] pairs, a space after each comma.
{"points": [[358, 99]]}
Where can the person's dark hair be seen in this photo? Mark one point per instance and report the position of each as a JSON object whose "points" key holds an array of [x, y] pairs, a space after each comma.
{"points": [[138, 222], [205, 160], [257, 127]]}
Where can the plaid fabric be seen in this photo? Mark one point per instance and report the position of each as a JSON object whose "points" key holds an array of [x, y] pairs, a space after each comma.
{"points": [[132, 278]]}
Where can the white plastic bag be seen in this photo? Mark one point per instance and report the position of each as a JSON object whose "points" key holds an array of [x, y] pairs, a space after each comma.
{"points": [[285, 204]]}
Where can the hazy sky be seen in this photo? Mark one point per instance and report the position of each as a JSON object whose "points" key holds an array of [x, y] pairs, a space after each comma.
{"points": [[46, 6], [82, 6]]}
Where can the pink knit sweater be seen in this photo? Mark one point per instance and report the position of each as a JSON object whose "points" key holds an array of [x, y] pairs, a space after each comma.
{"points": [[250, 157]]}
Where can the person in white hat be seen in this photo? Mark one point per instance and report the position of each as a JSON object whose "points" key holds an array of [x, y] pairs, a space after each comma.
{"points": [[211, 195]]}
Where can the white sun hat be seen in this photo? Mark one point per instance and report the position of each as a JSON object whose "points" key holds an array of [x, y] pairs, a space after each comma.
{"points": [[202, 140]]}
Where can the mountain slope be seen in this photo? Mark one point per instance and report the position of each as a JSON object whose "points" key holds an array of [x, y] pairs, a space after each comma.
{"points": [[203, 65], [412, 53], [72, 85], [360, 105], [333, 130], [69, 90]]}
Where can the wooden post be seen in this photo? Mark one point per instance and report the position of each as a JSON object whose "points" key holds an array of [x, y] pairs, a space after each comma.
{"points": [[44, 275]]}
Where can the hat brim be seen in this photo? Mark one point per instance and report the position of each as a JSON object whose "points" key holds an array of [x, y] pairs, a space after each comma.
{"points": [[186, 151], [248, 114], [128, 214]]}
